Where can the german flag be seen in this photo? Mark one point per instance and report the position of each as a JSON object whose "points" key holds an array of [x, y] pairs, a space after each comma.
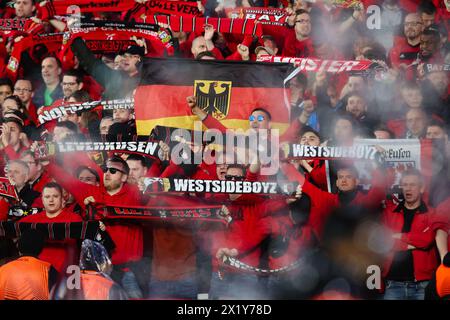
{"points": [[227, 90]]}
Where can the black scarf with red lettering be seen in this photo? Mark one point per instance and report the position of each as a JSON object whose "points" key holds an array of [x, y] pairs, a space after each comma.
{"points": [[212, 215], [53, 231]]}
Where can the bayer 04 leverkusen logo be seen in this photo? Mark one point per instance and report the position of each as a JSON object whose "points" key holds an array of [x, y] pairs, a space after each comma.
{"points": [[213, 97]]}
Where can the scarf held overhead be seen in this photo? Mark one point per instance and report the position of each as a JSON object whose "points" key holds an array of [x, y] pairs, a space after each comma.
{"points": [[195, 24], [317, 65]]}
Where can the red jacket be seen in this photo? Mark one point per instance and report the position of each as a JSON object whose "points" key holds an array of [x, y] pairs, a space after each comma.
{"points": [[250, 226], [40, 182], [4, 208], [421, 236], [443, 212], [56, 252], [32, 111], [299, 240], [128, 238], [324, 203]]}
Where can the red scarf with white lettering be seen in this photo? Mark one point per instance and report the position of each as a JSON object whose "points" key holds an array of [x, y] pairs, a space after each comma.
{"points": [[52, 41], [151, 7], [12, 24], [60, 7], [102, 40], [194, 24], [269, 16], [317, 65]]}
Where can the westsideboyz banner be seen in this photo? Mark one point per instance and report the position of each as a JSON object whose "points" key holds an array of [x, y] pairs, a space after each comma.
{"points": [[227, 90], [398, 156]]}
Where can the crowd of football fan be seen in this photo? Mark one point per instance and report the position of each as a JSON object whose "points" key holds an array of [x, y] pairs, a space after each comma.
{"points": [[339, 235]]}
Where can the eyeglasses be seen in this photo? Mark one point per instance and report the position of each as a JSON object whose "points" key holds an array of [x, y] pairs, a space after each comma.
{"points": [[260, 118], [69, 84], [234, 178], [22, 90], [112, 170], [412, 24]]}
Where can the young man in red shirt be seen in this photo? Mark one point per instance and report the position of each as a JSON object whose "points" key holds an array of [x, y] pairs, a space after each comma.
{"points": [[297, 42], [55, 252]]}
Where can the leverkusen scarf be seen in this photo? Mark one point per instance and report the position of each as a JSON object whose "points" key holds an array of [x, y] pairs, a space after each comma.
{"points": [[269, 16], [317, 65], [12, 24], [52, 41], [179, 8], [195, 24], [61, 7], [97, 34]]}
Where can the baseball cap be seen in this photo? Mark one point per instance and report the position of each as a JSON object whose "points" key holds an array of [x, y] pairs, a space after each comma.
{"points": [[135, 49], [268, 50]]}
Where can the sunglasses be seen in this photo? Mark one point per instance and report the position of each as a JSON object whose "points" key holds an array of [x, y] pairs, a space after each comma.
{"points": [[260, 118], [234, 178], [112, 170]]}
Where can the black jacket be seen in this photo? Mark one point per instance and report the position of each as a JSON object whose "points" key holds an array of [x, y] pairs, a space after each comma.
{"points": [[39, 99], [117, 84]]}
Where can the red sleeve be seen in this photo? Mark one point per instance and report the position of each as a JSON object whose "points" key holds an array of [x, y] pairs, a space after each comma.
{"points": [[248, 199], [213, 123], [318, 196], [236, 56], [292, 132], [74, 160], [270, 206], [155, 169], [319, 176], [420, 240], [78, 189], [11, 153], [292, 174], [244, 236], [4, 207], [440, 221], [377, 192], [217, 53], [248, 40], [172, 170], [394, 57], [289, 44]]}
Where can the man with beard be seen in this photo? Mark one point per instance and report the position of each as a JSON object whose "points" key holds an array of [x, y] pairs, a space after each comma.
{"points": [[117, 84], [297, 42], [406, 48], [430, 45], [113, 191]]}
